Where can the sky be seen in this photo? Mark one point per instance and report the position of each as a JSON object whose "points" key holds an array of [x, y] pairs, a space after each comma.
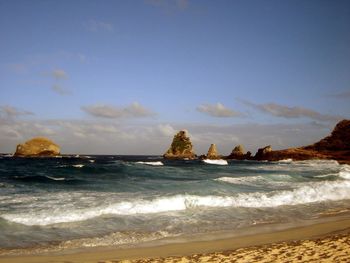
{"points": [[122, 77]]}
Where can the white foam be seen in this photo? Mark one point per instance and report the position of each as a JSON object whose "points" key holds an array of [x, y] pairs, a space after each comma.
{"points": [[55, 178], [78, 165], [217, 162], [159, 163], [286, 161], [345, 172], [241, 180], [91, 161], [308, 193], [271, 179]]}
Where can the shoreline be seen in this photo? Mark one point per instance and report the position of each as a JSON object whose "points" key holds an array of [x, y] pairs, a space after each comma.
{"points": [[183, 249]]}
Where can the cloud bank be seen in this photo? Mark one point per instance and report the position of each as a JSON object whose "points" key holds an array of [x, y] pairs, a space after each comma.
{"points": [[98, 26], [60, 90], [292, 112], [217, 110], [135, 110], [341, 95], [59, 74], [7, 111]]}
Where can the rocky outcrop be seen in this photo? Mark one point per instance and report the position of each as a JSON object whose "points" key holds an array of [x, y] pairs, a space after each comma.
{"points": [[180, 148], [238, 153], [262, 152], [339, 140], [335, 146], [39, 146], [212, 153]]}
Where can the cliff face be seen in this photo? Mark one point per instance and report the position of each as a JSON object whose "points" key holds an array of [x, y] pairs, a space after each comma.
{"points": [[180, 148], [39, 146], [335, 146], [339, 140]]}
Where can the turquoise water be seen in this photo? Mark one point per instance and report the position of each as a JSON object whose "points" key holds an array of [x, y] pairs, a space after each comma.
{"points": [[86, 201]]}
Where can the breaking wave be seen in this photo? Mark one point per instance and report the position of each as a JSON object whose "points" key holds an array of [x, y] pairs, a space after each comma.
{"points": [[217, 162], [308, 193], [158, 163], [345, 172]]}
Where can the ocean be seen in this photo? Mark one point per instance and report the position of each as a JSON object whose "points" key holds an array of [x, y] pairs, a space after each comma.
{"points": [[90, 201]]}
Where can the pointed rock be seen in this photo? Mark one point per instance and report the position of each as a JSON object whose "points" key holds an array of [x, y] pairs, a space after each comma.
{"points": [[238, 153], [213, 153], [180, 148]]}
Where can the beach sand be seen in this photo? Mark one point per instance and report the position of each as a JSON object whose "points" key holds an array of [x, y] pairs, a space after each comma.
{"points": [[322, 242]]}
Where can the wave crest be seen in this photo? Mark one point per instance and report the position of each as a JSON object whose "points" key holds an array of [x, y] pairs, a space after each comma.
{"points": [[217, 162], [309, 193], [158, 163]]}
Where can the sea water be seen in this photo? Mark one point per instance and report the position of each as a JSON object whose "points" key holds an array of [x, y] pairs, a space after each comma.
{"points": [[87, 201]]}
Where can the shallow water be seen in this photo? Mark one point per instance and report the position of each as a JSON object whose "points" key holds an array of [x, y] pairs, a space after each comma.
{"points": [[114, 200]]}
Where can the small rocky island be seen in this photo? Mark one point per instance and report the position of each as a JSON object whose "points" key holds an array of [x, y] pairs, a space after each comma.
{"points": [[37, 147], [238, 153], [213, 153], [180, 148]]}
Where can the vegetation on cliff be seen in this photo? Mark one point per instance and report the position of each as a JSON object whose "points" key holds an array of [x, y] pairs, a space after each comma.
{"points": [[180, 148]]}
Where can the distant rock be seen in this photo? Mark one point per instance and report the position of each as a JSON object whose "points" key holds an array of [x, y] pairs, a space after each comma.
{"points": [[238, 153], [38, 146], [263, 152], [180, 148], [212, 153], [335, 146]]}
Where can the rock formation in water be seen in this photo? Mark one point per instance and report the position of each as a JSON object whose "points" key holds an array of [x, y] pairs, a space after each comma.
{"points": [[262, 152], [180, 148], [39, 146], [238, 153], [335, 146], [212, 153]]}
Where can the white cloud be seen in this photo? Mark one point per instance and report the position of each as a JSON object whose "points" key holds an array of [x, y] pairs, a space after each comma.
{"points": [[292, 112], [169, 5], [96, 26], [134, 110], [18, 67], [59, 74], [60, 90], [217, 110], [341, 95], [166, 130], [8, 111]]}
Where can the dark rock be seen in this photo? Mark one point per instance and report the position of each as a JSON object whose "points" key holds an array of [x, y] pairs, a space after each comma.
{"points": [[335, 146], [238, 153], [262, 152]]}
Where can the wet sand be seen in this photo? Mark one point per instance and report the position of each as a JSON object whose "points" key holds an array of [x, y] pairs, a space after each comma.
{"points": [[322, 242]]}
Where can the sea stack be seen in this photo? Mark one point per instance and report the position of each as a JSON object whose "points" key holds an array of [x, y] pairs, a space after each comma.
{"points": [[37, 147], [180, 148], [238, 153], [212, 153]]}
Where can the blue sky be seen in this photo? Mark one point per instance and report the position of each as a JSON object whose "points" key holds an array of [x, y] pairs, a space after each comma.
{"points": [[122, 76]]}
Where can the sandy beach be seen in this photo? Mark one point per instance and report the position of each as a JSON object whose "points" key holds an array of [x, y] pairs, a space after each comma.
{"points": [[322, 242]]}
